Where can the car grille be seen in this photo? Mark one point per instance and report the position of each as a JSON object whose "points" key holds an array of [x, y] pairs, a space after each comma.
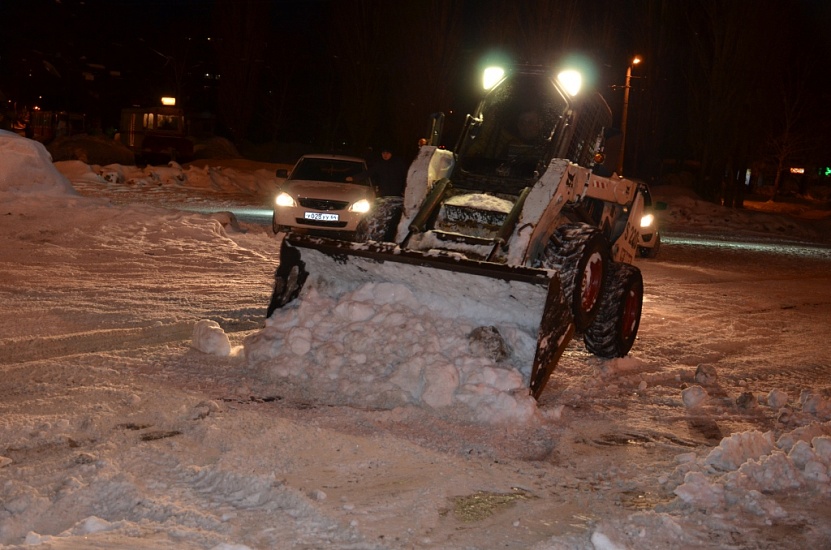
{"points": [[323, 204], [319, 223]]}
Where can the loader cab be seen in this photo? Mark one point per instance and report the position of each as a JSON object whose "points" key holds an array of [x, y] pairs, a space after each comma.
{"points": [[524, 121], [514, 129]]}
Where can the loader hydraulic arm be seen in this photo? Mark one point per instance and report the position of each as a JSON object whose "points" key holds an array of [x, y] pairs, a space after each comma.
{"points": [[428, 208]]}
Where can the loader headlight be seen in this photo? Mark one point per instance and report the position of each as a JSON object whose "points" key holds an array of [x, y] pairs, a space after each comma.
{"points": [[361, 207], [492, 76], [647, 220], [571, 81], [284, 199]]}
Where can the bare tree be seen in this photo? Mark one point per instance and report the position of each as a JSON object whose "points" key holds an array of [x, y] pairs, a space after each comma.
{"points": [[655, 105], [535, 32], [357, 48], [543, 31], [787, 141], [241, 30], [736, 47], [423, 67]]}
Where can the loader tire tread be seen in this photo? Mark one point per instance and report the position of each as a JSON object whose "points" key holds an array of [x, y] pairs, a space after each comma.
{"points": [[381, 224], [569, 251], [615, 328]]}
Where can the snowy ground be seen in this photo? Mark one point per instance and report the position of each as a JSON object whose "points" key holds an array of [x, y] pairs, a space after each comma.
{"points": [[146, 403]]}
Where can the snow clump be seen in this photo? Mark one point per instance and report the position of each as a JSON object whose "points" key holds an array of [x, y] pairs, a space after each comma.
{"points": [[208, 337]]}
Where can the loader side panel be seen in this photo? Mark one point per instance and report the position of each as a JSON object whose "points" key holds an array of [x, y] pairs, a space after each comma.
{"points": [[610, 189], [625, 246], [541, 214], [622, 208]]}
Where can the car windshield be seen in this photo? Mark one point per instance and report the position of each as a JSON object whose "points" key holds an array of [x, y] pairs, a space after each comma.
{"points": [[326, 170]]}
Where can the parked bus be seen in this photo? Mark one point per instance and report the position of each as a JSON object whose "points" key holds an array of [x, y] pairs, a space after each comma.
{"points": [[154, 133]]}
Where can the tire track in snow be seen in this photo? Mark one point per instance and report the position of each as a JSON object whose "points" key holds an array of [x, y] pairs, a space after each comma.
{"points": [[24, 349]]}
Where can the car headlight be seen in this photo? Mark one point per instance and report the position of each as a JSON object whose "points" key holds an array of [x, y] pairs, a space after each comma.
{"points": [[361, 207], [647, 220], [284, 199]]}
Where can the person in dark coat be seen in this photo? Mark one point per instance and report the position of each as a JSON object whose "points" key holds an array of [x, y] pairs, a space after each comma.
{"points": [[388, 174]]}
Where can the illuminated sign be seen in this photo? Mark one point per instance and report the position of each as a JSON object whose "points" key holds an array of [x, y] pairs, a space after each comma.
{"points": [[797, 170]]}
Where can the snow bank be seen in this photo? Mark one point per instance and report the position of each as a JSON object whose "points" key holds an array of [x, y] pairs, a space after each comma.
{"points": [[686, 213], [26, 168], [214, 179]]}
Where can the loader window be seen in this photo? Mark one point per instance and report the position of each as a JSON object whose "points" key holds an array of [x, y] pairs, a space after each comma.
{"points": [[516, 137], [593, 118]]}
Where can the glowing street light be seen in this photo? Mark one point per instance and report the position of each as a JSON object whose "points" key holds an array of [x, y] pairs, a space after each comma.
{"points": [[634, 62]]}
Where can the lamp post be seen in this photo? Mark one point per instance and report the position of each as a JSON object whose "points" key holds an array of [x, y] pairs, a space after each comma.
{"points": [[634, 62]]}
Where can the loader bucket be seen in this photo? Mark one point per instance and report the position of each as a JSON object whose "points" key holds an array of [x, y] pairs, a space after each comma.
{"points": [[528, 298]]}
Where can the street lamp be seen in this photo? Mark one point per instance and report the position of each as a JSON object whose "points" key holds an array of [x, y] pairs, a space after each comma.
{"points": [[634, 62]]}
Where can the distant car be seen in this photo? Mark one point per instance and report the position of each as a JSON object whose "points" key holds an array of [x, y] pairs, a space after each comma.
{"points": [[649, 240], [319, 196]]}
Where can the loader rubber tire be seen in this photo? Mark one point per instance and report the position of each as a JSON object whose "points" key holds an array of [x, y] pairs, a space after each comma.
{"points": [[289, 278], [382, 223], [615, 328], [581, 254]]}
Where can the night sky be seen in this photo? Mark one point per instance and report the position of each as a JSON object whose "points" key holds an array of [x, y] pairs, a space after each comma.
{"points": [[354, 72]]}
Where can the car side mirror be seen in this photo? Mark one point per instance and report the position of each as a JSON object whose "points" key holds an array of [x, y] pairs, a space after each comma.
{"points": [[282, 173]]}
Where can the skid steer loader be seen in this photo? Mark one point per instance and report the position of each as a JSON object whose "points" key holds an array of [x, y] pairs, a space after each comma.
{"points": [[516, 224]]}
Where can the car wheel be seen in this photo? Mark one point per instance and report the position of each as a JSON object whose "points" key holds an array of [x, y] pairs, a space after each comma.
{"points": [[650, 251]]}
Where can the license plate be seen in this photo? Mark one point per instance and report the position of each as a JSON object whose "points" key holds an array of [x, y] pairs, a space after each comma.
{"points": [[321, 216]]}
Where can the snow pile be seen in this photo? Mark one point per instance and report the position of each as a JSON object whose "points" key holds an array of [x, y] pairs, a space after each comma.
{"points": [[737, 486], [480, 201], [380, 346], [748, 471], [118, 179], [28, 169]]}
